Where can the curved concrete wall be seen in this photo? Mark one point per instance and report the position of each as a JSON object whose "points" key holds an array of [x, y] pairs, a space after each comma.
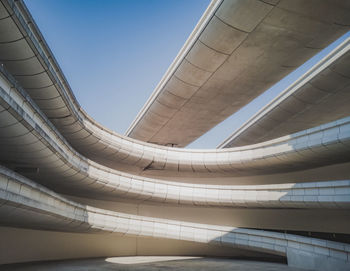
{"points": [[301, 150], [58, 162], [290, 183], [62, 245], [20, 196], [51, 92]]}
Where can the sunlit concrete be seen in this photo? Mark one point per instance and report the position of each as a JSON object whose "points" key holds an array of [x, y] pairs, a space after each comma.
{"points": [[85, 135], [53, 162], [334, 208], [34, 66], [237, 51], [155, 263], [55, 245], [317, 97], [324, 145], [121, 196], [25, 203], [149, 259]]}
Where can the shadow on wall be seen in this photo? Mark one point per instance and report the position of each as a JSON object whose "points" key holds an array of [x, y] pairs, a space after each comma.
{"points": [[301, 252], [30, 205]]}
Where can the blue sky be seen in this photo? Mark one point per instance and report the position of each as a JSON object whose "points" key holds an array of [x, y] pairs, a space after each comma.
{"points": [[115, 52]]}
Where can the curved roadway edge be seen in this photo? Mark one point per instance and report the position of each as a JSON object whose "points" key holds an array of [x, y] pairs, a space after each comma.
{"points": [[85, 135], [324, 145], [245, 48], [28, 138], [28, 204], [40, 75], [319, 96], [32, 63]]}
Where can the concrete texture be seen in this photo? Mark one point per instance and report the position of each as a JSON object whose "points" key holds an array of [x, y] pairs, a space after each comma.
{"points": [[317, 97], [55, 157], [55, 245], [88, 137], [203, 202], [153, 263], [37, 71], [243, 48], [324, 145], [16, 189], [25, 203]]}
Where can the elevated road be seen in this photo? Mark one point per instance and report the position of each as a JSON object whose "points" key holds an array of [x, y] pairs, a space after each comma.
{"points": [[26, 55], [319, 96], [129, 155], [47, 210], [256, 50], [134, 190], [237, 51], [31, 144]]}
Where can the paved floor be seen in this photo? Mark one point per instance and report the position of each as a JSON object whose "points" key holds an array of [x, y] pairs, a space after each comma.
{"points": [[150, 263]]}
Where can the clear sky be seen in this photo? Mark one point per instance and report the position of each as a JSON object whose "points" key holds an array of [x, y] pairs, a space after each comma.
{"points": [[114, 53]]}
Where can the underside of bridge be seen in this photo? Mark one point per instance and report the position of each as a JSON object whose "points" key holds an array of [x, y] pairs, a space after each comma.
{"points": [[278, 189]]}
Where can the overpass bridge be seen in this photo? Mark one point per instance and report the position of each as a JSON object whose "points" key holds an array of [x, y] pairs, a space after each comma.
{"points": [[63, 176]]}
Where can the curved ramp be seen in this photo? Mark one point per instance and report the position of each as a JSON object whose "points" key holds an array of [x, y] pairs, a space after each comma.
{"points": [[28, 138], [48, 210]]}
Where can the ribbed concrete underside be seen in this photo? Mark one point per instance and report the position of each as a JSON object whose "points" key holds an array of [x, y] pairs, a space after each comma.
{"points": [[70, 188], [33, 65], [28, 204], [214, 77], [320, 96]]}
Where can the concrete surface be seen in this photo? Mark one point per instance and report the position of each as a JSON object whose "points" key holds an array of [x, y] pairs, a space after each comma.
{"points": [[231, 50], [56, 245], [33, 65], [152, 263], [318, 96], [57, 161], [27, 204], [324, 145], [46, 136], [246, 47]]}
